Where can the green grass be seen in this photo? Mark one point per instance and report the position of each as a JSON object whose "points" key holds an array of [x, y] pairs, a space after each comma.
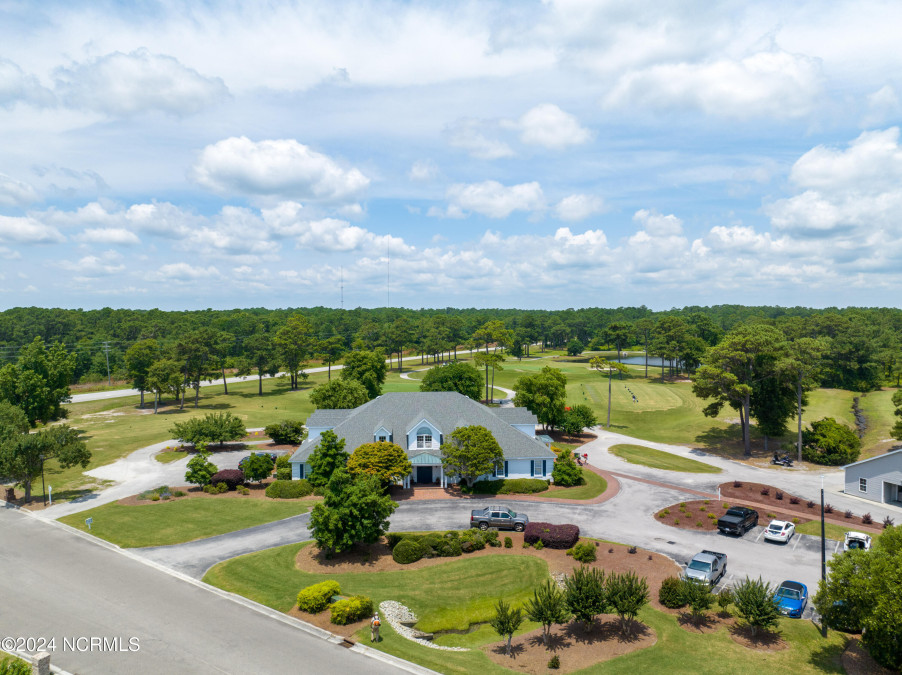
{"points": [[831, 531], [168, 456], [594, 485], [448, 596], [460, 592], [181, 520], [658, 459]]}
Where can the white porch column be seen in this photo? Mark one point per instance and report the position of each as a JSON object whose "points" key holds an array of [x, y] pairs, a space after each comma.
{"points": [[442, 475]]}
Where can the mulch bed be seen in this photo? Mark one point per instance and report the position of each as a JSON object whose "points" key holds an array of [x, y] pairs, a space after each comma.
{"points": [[857, 661], [696, 511], [580, 439], [752, 492], [574, 646], [763, 641]]}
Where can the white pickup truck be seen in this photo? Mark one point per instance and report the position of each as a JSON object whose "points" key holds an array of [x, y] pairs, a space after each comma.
{"points": [[707, 566]]}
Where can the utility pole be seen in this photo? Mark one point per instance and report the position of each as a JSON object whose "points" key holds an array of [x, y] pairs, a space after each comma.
{"points": [[106, 349], [823, 554]]}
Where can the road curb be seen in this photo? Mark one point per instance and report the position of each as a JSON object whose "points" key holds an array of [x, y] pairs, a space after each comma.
{"points": [[310, 629]]}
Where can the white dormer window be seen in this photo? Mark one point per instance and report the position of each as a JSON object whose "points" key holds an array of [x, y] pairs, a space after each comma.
{"points": [[424, 438]]}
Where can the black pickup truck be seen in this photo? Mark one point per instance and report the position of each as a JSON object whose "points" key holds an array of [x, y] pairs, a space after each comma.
{"points": [[737, 520]]}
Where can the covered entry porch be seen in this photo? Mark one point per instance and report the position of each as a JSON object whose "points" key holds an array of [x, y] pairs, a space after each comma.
{"points": [[427, 470]]}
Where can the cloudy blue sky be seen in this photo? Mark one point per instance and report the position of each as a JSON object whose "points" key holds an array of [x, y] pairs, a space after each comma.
{"points": [[519, 154]]}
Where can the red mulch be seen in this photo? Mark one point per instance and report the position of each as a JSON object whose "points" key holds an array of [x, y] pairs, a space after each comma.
{"points": [[857, 661], [751, 492], [576, 647]]}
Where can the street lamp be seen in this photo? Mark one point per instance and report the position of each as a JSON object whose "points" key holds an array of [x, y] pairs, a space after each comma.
{"points": [[823, 554]]}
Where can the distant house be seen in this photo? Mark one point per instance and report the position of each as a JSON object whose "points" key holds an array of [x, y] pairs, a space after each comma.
{"points": [[878, 479], [420, 422]]}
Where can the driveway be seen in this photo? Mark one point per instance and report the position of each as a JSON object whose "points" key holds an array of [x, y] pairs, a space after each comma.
{"points": [[56, 583]]}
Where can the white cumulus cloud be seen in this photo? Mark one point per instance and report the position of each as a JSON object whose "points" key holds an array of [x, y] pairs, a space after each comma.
{"points": [[771, 83], [578, 207], [17, 86], [126, 84], [549, 126], [491, 198], [28, 230], [16, 193], [476, 137], [283, 168], [108, 235]]}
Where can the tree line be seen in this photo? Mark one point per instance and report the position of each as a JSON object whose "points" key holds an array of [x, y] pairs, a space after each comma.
{"points": [[863, 350]]}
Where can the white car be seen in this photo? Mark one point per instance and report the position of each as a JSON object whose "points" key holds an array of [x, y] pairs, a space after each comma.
{"points": [[856, 540], [779, 530]]}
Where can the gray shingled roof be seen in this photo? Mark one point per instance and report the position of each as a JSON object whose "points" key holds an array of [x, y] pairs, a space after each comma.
{"points": [[399, 412]]}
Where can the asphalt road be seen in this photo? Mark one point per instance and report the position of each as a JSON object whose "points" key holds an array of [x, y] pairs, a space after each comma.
{"points": [[57, 584]]}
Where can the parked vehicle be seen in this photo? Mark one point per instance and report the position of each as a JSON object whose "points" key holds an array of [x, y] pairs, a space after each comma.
{"points": [[707, 566], [781, 461], [791, 598], [737, 520], [497, 515], [779, 530], [856, 540], [243, 460]]}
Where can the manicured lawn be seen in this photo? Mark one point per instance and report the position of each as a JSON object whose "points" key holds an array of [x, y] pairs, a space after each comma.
{"points": [[168, 456], [462, 591], [594, 486], [181, 520], [658, 459], [448, 596], [116, 428], [831, 531]]}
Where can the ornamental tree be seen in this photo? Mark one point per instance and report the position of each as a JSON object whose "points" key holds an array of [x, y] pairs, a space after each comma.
{"points": [[471, 452], [566, 472], [506, 621], [339, 395], [754, 600], [353, 511], [328, 456], [286, 432], [586, 594], [627, 594], [211, 428], [200, 469], [698, 596], [257, 467], [458, 376], [543, 394], [547, 607], [386, 461]]}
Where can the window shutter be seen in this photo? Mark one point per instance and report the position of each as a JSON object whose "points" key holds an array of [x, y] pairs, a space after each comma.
{"points": [[302, 470], [505, 468], [532, 468], [544, 469]]}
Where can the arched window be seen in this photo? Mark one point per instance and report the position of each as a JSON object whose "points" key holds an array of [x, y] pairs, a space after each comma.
{"points": [[424, 437]]}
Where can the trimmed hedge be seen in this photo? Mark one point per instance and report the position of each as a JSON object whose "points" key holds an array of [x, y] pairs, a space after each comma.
{"points": [[289, 489], [551, 536], [316, 598], [408, 551], [231, 477], [284, 473], [672, 593], [508, 486], [350, 610]]}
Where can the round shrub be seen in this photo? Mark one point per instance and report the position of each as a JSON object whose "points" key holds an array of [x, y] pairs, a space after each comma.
{"points": [[393, 538], [449, 548], [407, 551], [350, 610], [671, 594], [315, 598], [231, 477], [289, 489], [508, 542], [283, 473], [584, 552]]}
